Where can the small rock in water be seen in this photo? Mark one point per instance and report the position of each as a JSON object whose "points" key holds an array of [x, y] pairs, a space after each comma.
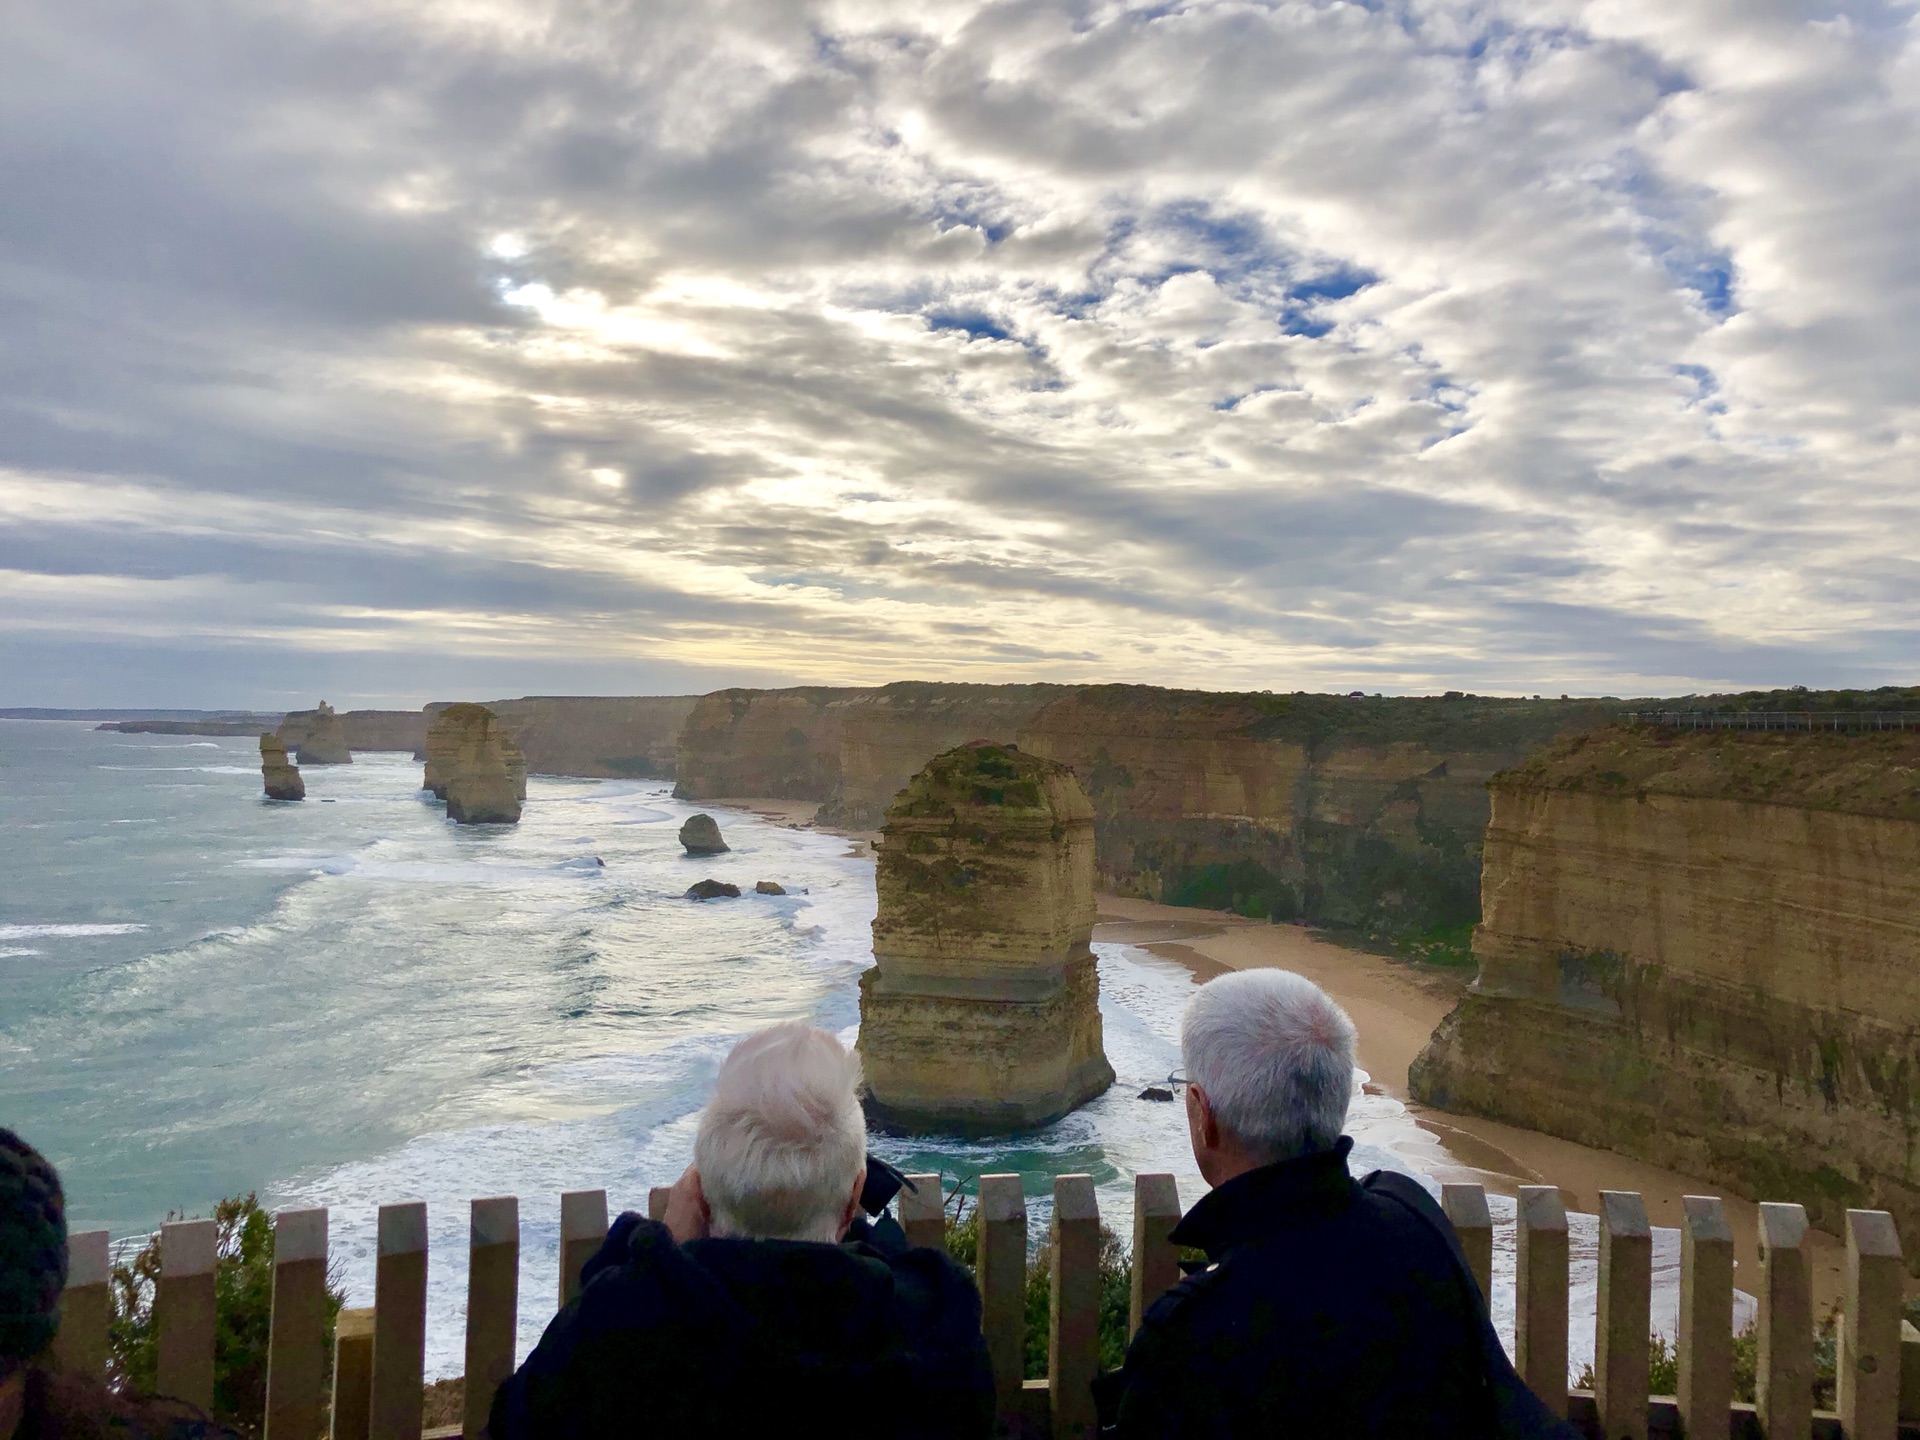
{"points": [[769, 887], [701, 836], [1156, 1092], [712, 890]]}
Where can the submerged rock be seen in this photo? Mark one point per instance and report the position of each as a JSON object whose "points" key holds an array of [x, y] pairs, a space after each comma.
{"points": [[281, 779], [1156, 1092], [316, 737], [712, 890], [474, 766], [769, 887], [981, 1015], [701, 836]]}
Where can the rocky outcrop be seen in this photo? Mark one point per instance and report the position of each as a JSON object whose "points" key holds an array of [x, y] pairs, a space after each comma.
{"points": [[712, 890], [1703, 950], [1362, 812], [701, 836], [316, 737], [281, 780], [981, 1014], [768, 887], [852, 749], [474, 767]]}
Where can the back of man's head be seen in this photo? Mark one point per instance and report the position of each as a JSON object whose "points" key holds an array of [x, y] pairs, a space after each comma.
{"points": [[1274, 1055], [783, 1139]]}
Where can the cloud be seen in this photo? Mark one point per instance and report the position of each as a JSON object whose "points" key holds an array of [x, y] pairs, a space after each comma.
{"points": [[1410, 344]]}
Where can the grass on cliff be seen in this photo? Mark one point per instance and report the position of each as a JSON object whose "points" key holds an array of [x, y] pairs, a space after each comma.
{"points": [[1116, 1279], [1663, 1364], [243, 1309]]}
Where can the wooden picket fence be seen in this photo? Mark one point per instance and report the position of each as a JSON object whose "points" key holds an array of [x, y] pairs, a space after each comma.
{"points": [[379, 1352]]}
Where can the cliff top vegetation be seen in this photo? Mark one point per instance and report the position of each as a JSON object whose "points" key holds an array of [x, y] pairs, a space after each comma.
{"points": [[1875, 772]]}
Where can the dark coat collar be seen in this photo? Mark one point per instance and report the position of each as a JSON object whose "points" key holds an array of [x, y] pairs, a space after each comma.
{"points": [[1307, 1187]]}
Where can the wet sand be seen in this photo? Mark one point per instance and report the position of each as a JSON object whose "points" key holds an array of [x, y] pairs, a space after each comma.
{"points": [[1396, 1006]]}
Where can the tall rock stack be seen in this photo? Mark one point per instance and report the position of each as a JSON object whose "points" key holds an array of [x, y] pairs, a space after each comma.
{"points": [[316, 736], [982, 1013], [474, 767], [282, 781]]}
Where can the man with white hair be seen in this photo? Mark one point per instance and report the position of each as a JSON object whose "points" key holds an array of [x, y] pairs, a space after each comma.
{"points": [[1329, 1307], [744, 1313]]}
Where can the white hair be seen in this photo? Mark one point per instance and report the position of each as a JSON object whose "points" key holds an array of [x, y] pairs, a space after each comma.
{"points": [[783, 1137], [1274, 1055]]}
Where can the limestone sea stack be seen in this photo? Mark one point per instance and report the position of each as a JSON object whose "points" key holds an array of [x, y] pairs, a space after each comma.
{"points": [[316, 736], [474, 767], [282, 780], [981, 1015], [701, 836]]}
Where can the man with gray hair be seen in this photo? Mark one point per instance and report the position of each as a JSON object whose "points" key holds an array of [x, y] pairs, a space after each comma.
{"points": [[744, 1313], [1329, 1307]]}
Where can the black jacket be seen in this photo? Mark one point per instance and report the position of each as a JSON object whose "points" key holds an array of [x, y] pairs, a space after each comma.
{"points": [[1329, 1309], [743, 1337]]}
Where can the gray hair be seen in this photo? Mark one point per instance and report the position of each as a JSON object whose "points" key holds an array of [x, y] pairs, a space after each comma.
{"points": [[783, 1137], [1274, 1054]]}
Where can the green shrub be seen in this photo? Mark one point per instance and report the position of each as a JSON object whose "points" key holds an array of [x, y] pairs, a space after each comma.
{"points": [[243, 1311], [1663, 1364]]}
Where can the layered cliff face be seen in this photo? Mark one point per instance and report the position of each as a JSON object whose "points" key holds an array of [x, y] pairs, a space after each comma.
{"points": [[610, 737], [279, 778], [981, 1014], [1704, 950], [852, 749], [475, 767], [384, 729], [316, 737], [1358, 811]]}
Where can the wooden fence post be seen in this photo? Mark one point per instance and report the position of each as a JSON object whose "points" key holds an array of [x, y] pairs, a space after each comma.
{"points": [[1783, 1381], [86, 1306], [1073, 1311], [657, 1199], [1156, 1259], [1001, 1266], [1706, 1315], [923, 1212], [1868, 1355], [353, 1375], [1540, 1295], [297, 1331], [400, 1323], [1622, 1316], [183, 1311], [1909, 1371], [493, 1305], [583, 1228], [1466, 1207]]}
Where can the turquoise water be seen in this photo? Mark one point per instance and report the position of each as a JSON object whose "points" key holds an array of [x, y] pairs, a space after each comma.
{"points": [[350, 1001]]}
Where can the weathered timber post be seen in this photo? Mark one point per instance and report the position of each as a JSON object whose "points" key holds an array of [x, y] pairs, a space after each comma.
{"points": [[1466, 1207], [400, 1323], [86, 1306], [183, 1310], [1156, 1260], [1540, 1295], [1001, 1266], [1621, 1317], [1783, 1381], [583, 1227], [353, 1375], [493, 1305], [657, 1199], [1706, 1316], [297, 1331], [923, 1212], [1073, 1312], [1868, 1367], [1909, 1371]]}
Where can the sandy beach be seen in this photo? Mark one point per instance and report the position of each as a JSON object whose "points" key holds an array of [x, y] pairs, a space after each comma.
{"points": [[1395, 1007]]}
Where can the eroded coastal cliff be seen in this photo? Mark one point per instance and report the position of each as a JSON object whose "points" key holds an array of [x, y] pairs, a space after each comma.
{"points": [[1703, 949]]}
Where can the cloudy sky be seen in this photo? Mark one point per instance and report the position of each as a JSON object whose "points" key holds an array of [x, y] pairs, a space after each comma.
{"points": [[397, 349]]}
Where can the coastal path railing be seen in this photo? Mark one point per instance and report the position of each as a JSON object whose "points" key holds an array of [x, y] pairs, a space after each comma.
{"points": [[379, 1353], [1777, 719]]}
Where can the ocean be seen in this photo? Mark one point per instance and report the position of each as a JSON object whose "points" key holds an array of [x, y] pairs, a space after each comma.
{"points": [[351, 1001]]}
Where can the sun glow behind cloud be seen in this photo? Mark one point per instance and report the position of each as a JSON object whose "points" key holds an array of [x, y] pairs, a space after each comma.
{"points": [[1527, 347]]}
